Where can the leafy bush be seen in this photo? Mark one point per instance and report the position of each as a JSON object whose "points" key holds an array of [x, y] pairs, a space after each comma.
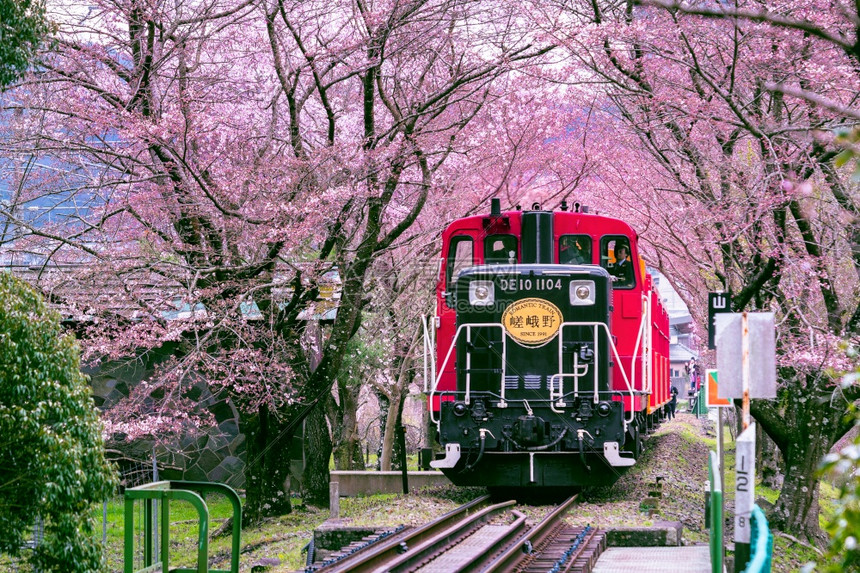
{"points": [[844, 526], [24, 29], [52, 463]]}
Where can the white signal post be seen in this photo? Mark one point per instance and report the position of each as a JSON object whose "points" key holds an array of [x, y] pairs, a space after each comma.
{"points": [[745, 368], [744, 495]]}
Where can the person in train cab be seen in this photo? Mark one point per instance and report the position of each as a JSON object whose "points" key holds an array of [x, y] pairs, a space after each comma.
{"points": [[500, 250], [622, 269], [570, 252]]}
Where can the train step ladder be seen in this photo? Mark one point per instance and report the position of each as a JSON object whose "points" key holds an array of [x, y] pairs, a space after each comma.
{"points": [[165, 492]]}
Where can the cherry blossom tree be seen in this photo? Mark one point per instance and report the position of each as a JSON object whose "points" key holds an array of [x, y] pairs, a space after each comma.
{"points": [[206, 164], [738, 190]]}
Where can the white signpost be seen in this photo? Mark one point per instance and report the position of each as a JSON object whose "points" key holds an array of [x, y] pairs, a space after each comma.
{"points": [[746, 361], [746, 350]]}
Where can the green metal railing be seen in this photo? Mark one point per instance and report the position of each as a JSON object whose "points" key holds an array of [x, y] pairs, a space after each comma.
{"points": [[715, 522], [701, 408], [761, 543], [164, 492]]}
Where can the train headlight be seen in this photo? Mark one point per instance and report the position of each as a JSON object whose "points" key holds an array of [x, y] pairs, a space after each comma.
{"points": [[482, 293], [581, 293], [604, 409]]}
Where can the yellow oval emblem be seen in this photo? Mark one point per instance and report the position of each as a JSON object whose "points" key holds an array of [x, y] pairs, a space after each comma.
{"points": [[532, 321]]}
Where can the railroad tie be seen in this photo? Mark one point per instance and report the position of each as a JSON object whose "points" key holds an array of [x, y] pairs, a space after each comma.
{"points": [[575, 549], [353, 548]]}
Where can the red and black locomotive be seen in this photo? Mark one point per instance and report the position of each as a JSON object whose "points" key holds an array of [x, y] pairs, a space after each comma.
{"points": [[552, 349]]}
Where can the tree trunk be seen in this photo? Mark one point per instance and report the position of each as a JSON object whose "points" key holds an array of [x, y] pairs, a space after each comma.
{"points": [[317, 456], [384, 406], [797, 508], [390, 454], [389, 437], [813, 429], [768, 460], [805, 425], [267, 470], [347, 448]]}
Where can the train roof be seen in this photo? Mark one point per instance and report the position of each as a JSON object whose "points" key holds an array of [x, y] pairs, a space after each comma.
{"points": [[577, 221]]}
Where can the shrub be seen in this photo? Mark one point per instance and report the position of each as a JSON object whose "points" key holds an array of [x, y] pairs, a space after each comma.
{"points": [[52, 463]]}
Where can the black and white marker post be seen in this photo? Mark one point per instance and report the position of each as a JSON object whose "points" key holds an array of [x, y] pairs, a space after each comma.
{"points": [[744, 495]]}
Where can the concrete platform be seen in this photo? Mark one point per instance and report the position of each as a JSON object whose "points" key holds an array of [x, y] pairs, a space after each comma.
{"points": [[691, 559]]}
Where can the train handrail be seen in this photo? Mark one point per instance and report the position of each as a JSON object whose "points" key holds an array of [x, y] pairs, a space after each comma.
{"points": [[575, 374], [646, 353], [468, 328], [454, 394], [429, 352], [441, 370], [627, 381]]}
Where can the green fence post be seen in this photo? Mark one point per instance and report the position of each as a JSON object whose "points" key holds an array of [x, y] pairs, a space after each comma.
{"points": [[716, 523], [701, 405], [230, 494], [203, 529], [128, 553], [147, 532], [193, 493], [165, 534]]}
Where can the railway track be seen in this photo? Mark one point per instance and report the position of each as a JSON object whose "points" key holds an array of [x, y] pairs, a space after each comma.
{"points": [[480, 537], [552, 545], [375, 555]]}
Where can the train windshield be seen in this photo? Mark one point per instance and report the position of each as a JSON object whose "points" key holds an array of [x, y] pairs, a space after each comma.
{"points": [[616, 258], [574, 250], [500, 250], [460, 256]]}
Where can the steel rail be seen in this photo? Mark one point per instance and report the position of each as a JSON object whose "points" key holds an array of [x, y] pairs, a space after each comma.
{"points": [[506, 538], [369, 559], [436, 545], [533, 540]]}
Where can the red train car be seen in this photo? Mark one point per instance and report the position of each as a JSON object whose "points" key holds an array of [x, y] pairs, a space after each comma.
{"points": [[552, 349]]}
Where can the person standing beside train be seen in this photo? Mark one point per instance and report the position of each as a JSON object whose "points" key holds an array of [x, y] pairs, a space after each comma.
{"points": [[695, 374], [673, 403]]}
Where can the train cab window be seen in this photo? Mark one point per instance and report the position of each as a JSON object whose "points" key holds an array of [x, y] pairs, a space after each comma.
{"points": [[460, 256], [500, 250], [574, 250], [615, 257]]}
